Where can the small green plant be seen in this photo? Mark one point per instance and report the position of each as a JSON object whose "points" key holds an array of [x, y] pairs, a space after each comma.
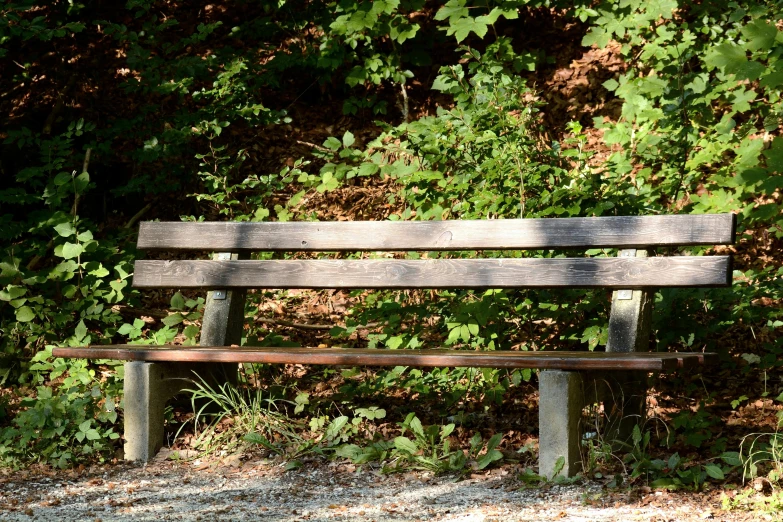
{"points": [[429, 449], [68, 423], [674, 472], [531, 479], [769, 502], [232, 419], [186, 313], [762, 453]]}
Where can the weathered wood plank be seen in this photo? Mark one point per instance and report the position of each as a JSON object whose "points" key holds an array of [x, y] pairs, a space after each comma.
{"points": [[653, 272], [612, 231], [374, 357]]}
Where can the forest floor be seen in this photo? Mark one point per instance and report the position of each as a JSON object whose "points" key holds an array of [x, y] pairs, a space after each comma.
{"points": [[320, 490]]}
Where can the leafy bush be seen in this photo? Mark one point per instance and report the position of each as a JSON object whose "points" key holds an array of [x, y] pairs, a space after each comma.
{"points": [[64, 425]]}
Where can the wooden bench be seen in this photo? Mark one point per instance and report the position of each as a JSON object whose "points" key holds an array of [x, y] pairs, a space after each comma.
{"points": [[155, 374]]}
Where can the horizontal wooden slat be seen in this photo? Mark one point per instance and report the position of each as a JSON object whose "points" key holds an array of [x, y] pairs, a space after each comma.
{"points": [[608, 272], [374, 357], [614, 231]]}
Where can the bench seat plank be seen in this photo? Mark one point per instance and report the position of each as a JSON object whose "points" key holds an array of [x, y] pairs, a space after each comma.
{"points": [[495, 234], [606, 272], [562, 360]]}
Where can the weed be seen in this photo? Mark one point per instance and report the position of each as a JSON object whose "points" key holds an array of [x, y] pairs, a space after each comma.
{"points": [[231, 418]]}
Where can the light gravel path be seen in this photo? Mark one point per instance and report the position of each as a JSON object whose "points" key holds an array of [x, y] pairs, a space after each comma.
{"points": [[325, 491]]}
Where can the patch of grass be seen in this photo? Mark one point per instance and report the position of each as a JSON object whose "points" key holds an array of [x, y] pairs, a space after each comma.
{"points": [[232, 419]]}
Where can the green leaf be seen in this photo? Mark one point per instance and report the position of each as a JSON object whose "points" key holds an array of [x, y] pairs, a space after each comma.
{"points": [[405, 445], [334, 428], [464, 332], [760, 35], [453, 10], [727, 56], [125, 329], [699, 84], [610, 84], [674, 461], [732, 458], [349, 451], [357, 75], [12, 292], [256, 438], [742, 99], [714, 471], [488, 458], [403, 31], [99, 271], [348, 139], [80, 182], [636, 435], [774, 155], [85, 426], [173, 319], [71, 250], [596, 36], [493, 442], [661, 8], [417, 427], [293, 464], [65, 229], [177, 302], [368, 169], [750, 70], [62, 178], [92, 435], [772, 80], [462, 28], [81, 331], [190, 331], [394, 342], [25, 314], [332, 143], [663, 483], [473, 327]]}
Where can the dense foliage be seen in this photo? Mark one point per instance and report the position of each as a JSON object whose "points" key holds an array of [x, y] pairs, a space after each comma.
{"points": [[166, 109]]}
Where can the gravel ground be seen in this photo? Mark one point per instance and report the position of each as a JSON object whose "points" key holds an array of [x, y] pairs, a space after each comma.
{"points": [[261, 490]]}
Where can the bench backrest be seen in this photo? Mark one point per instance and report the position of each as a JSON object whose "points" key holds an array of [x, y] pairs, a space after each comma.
{"points": [[638, 232]]}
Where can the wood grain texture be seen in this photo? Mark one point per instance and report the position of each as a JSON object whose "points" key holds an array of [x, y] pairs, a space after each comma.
{"points": [[373, 357], [652, 272], [613, 231]]}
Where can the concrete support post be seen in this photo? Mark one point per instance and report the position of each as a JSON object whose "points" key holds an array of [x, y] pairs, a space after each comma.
{"points": [[224, 314], [629, 331], [149, 385], [563, 394], [559, 413], [147, 388]]}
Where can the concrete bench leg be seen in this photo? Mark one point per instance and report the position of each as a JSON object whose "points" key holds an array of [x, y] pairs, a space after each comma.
{"points": [[561, 399], [149, 385], [147, 388]]}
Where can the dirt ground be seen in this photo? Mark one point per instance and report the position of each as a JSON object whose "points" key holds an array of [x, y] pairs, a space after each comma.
{"points": [[320, 491]]}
